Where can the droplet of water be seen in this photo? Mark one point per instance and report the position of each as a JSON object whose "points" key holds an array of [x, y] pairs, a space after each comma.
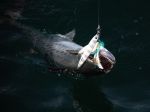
{"points": [[136, 33], [141, 18], [119, 50], [122, 36], [44, 30], [59, 75], [135, 21], [140, 68]]}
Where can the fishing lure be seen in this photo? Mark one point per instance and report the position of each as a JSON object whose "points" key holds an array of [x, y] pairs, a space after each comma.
{"points": [[87, 50], [99, 45]]}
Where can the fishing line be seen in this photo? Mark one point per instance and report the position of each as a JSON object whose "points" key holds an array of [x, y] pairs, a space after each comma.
{"points": [[98, 11], [98, 17]]}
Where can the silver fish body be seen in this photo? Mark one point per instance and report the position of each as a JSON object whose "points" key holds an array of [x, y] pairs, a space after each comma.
{"points": [[64, 54]]}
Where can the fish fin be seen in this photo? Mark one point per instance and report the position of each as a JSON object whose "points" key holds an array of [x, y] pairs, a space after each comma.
{"points": [[70, 35], [75, 52]]}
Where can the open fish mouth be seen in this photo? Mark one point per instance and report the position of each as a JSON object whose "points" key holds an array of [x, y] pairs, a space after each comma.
{"points": [[107, 59]]}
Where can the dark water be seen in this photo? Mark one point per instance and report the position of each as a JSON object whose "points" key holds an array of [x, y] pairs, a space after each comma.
{"points": [[27, 86]]}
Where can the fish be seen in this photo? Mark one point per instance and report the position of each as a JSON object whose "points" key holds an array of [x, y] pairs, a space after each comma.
{"points": [[59, 50], [64, 53]]}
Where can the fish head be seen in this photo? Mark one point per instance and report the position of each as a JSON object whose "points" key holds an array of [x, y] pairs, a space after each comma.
{"points": [[107, 60]]}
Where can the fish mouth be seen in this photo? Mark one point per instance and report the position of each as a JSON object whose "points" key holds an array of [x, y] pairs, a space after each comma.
{"points": [[107, 60]]}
